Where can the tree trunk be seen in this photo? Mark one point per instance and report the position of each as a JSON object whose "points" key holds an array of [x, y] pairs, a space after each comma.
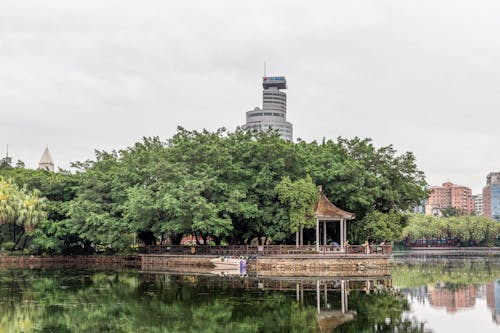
{"points": [[176, 239], [147, 237], [217, 240], [196, 237], [17, 242], [24, 243]]}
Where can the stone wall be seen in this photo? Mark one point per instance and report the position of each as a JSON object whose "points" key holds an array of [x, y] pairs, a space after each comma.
{"points": [[177, 263], [285, 266], [305, 265], [96, 262], [338, 266]]}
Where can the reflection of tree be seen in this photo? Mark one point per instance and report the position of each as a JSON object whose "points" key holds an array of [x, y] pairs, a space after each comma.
{"points": [[58, 301], [453, 274], [87, 301], [381, 311]]}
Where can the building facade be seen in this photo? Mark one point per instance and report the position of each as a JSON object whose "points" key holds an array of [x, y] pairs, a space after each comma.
{"points": [[478, 204], [449, 195], [491, 196], [272, 116]]}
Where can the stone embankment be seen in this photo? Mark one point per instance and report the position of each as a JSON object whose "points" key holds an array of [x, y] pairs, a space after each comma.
{"points": [[284, 265], [95, 262], [177, 263], [278, 265], [322, 266]]}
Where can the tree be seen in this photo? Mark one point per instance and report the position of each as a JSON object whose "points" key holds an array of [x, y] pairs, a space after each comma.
{"points": [[299, 198], [378, 226], [463, 230], [20, 207]]}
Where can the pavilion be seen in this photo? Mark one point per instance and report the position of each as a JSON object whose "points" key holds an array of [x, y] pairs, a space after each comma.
{"points": [[324, 213]]}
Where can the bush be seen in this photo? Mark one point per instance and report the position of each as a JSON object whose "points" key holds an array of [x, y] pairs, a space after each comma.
{"points": [[7, 246]]}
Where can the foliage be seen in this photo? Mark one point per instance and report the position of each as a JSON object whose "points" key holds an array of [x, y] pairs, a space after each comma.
{"points": [[466, 230], [300, 198], [384, 226], [20, 207], [451, 211], [232, 187]]}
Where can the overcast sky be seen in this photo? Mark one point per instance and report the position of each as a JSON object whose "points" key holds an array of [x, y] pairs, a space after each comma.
{"points": [[421, 75]]}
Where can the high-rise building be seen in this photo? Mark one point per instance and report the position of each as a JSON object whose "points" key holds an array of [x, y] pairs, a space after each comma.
{"points": [[272, 116], [46, 162], [450, 195], [491, 196], [478, 204]]}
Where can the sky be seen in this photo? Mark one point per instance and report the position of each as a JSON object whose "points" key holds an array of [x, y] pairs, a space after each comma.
{"points": [[423, 76]]}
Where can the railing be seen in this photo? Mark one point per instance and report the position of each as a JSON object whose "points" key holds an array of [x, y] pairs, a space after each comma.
{"points": [[264, 250]]}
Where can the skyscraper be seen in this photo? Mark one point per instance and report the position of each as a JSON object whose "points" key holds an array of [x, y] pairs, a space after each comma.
{"points": [[272, 116], [491, 196]]}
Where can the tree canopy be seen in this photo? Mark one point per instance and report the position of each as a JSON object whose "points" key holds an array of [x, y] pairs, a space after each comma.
{"points": [[230, 187]]}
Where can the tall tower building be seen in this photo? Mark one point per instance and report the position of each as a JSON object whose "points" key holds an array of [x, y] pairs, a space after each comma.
{"points": [[272, 116], [46, 162], [491, 196]]}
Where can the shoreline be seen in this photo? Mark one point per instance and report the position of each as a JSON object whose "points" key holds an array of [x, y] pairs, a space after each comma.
{"points": [[286, 266], [448, 252]]}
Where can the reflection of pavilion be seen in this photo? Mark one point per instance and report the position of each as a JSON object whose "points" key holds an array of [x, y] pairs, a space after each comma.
{"points": [[328, 318]]}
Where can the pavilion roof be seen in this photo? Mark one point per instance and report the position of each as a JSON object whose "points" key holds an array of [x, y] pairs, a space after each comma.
{"points": [[326, 211]]}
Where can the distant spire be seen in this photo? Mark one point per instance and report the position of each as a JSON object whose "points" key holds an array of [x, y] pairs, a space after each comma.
{"points": [[46, 162]]}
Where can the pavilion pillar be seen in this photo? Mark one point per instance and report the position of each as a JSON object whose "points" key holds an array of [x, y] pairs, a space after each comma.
{"points": [[343, 298], [301, 235], [317, 235], [326, 295], [345, 231], [324, 232], [342, 233], [318, 297], [297, 239]]}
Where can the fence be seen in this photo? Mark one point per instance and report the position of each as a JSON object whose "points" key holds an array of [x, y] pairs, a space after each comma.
{"points": [[264, 250]]}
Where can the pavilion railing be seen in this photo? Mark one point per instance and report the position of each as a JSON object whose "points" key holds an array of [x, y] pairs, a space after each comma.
{"points": [[264, 250]]}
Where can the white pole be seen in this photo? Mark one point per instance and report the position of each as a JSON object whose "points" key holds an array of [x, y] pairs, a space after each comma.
{"points": [[317, 235], [317, 296], [342, 234]]}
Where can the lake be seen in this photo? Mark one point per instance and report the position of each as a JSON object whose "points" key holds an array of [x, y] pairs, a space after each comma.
{"points": [[419, 296]]}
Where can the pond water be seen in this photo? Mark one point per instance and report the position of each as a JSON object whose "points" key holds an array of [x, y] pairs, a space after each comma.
{"points": [[419, 296]]}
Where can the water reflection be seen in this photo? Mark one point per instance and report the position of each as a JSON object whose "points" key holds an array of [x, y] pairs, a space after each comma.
{"points": [[452, 295], [419, 297], [493, 299]]}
